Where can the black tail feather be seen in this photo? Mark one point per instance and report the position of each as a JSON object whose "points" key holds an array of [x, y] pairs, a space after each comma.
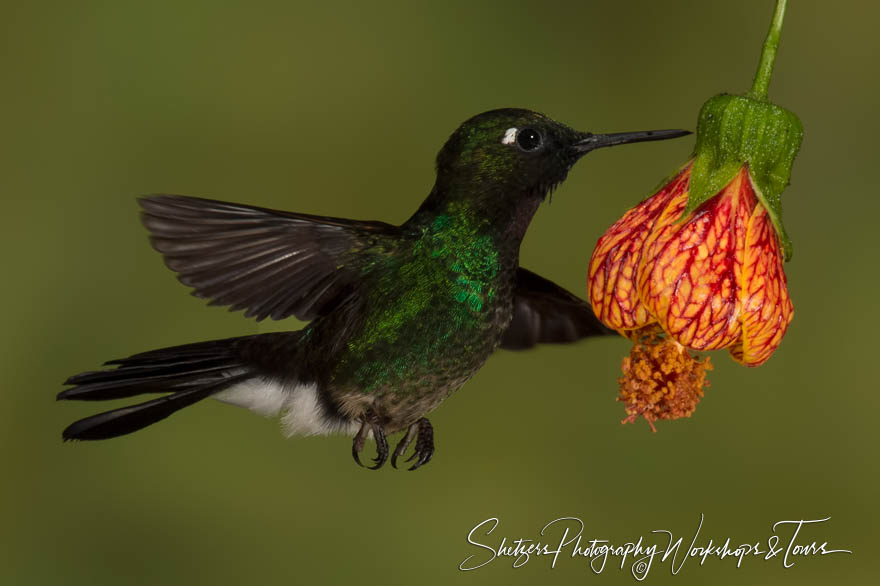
{"points": [[129, 419], [157, 371], [150, 370], [128, 382], [189, 373], [194, 351]]}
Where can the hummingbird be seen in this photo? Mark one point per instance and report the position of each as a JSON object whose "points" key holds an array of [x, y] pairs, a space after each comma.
{"points": [[398, 317]]}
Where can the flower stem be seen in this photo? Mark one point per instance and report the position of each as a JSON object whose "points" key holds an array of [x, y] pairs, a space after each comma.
{"points": [[768, 55]]}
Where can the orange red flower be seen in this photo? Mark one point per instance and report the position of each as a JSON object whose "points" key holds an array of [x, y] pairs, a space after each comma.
{"points": [[711, 280]]}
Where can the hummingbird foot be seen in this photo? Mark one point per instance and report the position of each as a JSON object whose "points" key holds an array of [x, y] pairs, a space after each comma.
{"points": [[371, 423], [424, 444]]}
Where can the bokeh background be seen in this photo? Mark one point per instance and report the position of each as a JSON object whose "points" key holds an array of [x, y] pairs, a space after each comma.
{"points": [[338, 109]]}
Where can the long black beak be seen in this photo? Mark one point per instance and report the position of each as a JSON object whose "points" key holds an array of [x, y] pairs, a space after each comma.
{"points": [[591, 141]]}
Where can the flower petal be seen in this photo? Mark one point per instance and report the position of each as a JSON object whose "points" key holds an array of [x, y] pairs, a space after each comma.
{"points": [[611, 276], [766, 306], [690, 272]]}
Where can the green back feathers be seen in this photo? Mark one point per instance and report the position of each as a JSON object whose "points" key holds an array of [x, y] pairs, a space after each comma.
{"points": [[437, 293]]}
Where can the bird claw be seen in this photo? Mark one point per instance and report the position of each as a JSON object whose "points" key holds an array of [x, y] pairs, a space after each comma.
{"points": [[424, 444], [357, 445], [370, 423], [404, 442], [381, 446]]}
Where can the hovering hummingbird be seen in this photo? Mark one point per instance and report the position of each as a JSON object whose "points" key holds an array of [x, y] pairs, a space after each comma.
{"points": [[399, 316]]}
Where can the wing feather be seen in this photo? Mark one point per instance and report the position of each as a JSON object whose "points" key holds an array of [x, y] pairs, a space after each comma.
{"points": [[545, 313], [267, 262]]}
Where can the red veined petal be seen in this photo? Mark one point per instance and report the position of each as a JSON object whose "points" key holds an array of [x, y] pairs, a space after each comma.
{"points": [[611, 276], [690, 272], [766, 306]]}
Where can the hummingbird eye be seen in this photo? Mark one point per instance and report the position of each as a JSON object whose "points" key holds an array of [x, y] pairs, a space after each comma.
{"points": [[529, 139]]}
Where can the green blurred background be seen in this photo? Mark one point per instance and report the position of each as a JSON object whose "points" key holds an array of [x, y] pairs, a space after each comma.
{"points": [[339, 109]]}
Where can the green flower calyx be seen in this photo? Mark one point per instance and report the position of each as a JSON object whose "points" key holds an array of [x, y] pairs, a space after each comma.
{"points": [[733, 131]]}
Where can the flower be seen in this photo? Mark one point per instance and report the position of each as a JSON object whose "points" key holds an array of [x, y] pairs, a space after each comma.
{"points": [[711, 278], [699, 264]]}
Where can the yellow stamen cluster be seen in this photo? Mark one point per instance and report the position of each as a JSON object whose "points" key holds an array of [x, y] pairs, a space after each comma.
{"points": [[661, 380]]}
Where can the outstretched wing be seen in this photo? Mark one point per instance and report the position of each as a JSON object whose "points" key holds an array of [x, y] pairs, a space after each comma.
{"points": [[269, 263], [545, 313]]}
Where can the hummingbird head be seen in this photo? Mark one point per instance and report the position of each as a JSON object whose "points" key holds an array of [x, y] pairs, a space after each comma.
{"points": [[505, 162]]}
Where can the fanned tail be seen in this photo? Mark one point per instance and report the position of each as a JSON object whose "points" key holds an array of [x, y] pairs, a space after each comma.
{"points": [[189, 373]]}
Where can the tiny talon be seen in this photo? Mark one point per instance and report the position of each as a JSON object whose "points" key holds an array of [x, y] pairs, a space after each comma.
{"points": [[358, 444], [424, 444], [404, 442], [381, 446]]}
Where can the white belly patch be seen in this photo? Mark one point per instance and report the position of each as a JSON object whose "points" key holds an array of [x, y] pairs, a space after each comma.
{"points": [[302, 413]]}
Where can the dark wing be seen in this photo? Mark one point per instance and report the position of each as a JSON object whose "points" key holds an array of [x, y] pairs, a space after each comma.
{"points": [[269, 263], [545, 313]]}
